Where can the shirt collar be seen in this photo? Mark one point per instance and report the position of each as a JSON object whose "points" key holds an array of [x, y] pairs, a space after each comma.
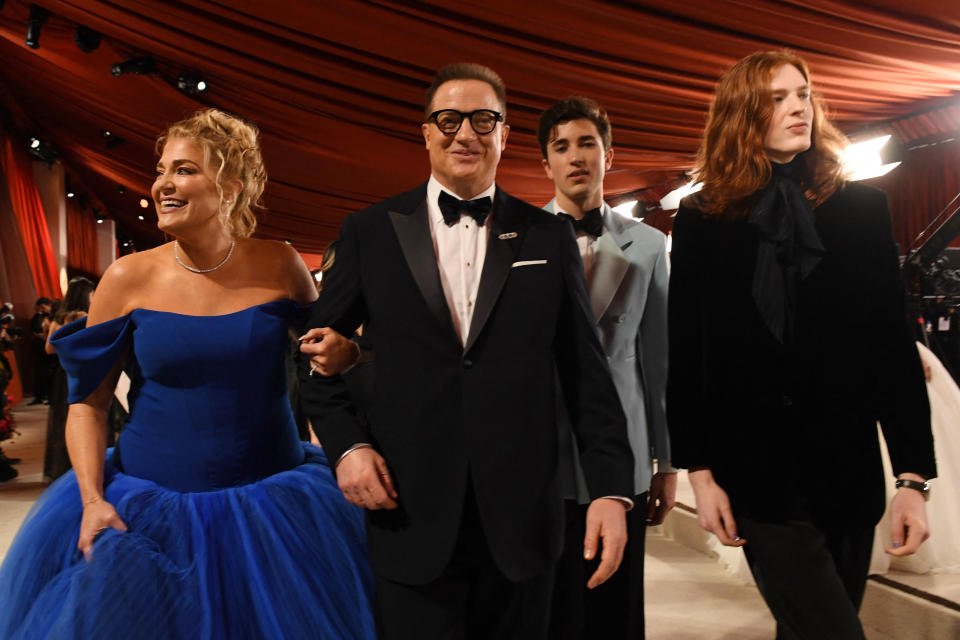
{"points": [[433, 193]]}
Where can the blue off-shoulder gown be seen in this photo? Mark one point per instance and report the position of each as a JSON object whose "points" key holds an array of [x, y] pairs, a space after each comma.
{"points": [[236, 529]]}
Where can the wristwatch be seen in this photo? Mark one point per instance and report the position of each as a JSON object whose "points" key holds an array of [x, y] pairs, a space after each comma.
{"points": [[922, 487]]}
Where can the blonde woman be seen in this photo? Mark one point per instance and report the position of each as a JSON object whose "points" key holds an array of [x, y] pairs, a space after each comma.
{"points": [[210, 519]]}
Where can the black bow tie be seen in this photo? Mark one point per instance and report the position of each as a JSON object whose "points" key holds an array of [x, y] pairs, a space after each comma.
{"points": [[451, 207], [591, 223]]}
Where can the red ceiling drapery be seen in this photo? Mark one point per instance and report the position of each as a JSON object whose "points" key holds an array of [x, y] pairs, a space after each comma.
{"points": [[337, 87], [82, 252], [31, 220]]}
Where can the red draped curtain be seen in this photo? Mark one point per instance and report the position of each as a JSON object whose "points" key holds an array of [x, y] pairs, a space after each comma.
{"points": [[920, 188], [25, 201], [82, 253]]}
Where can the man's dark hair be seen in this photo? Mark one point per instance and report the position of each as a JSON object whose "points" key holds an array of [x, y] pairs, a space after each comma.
{"points": [[41, 301], [573, 108], [467, 71]]}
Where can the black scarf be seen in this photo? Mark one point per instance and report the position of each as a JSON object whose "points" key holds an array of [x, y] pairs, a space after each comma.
{"points": [[788, 249]]}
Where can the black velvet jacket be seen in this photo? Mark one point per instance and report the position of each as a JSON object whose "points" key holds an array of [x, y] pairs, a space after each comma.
{"points": [[794, 423]]}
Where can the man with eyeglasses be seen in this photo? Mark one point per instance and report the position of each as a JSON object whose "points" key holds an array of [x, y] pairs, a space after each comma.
{"points": [[475, 299]]}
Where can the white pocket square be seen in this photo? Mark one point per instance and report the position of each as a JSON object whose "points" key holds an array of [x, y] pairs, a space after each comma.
{"points": [[526, 263]]}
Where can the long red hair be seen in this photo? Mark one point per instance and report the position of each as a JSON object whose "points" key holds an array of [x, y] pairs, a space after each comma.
{"points": [[732, 163]]}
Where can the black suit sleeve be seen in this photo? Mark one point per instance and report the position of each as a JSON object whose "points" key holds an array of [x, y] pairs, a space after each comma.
{"points": [[688, 441], [592, 401], [326, 400], [903, 407]]}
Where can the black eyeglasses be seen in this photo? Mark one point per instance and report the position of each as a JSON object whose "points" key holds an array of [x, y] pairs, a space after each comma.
{"points": [[449, 121]]}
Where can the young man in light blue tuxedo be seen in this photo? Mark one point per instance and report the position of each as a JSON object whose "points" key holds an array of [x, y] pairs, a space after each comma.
{"points": [[626, 268]]}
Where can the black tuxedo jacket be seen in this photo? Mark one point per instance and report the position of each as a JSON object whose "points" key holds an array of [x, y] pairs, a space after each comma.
{"points": [[443, 412], [788, 426]]}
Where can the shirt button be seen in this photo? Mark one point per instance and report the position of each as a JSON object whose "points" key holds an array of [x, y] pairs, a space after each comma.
{"points": [[468, 264], [467, 364]]}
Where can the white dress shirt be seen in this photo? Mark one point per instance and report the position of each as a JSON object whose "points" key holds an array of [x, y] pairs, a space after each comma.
{"points": [[460, 250], [587, 245]]}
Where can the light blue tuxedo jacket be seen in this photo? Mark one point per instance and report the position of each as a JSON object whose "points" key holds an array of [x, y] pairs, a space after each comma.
{"points": [[628, 296]]}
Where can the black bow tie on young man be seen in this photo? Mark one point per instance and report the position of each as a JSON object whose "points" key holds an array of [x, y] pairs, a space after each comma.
{"points": [[591, 223], [451, 207]]}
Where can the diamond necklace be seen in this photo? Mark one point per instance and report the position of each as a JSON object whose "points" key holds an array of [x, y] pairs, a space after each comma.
{"points": [[176, 256]]}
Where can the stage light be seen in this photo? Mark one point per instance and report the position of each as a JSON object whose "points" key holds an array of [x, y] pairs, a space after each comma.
{"points": [[144, 203], [140, 217], [42, 150], [672, 200], [862, 159], [70, 194], [318, 276], [112, 139], [38, 15], [121, 189], [86, 39], [138, 65], [192, 84], [625, 208]]}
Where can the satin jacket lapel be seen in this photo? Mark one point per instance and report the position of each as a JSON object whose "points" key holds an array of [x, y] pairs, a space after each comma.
{"points": [[496, 264], [610, 264], [413, 232]]}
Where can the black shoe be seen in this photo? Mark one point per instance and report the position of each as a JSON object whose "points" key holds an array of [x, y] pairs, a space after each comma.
{"points": [[7, 473], [4, 458]]}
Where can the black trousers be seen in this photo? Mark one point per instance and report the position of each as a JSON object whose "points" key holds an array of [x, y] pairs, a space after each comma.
{"points": [[811, 574], [41, 371], [471, 600], [613, 610]]}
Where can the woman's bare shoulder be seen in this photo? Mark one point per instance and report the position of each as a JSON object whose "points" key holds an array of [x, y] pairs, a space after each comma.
{"points": [[124, 282]]}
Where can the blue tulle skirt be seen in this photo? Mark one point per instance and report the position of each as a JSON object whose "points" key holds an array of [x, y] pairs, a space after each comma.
{"points": [[284, 557]]}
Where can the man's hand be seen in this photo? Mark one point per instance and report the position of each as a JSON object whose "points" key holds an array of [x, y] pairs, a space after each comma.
{"points": [[713, 508], [365, 480], [330, 353], [607, 520], [662, 496], [908, 519]]}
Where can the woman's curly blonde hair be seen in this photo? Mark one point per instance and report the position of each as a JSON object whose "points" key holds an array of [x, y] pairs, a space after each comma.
{"points": [[232, 146]]}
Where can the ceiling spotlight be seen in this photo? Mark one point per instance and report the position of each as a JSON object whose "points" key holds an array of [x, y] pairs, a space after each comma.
{"points": [[70, 194], [192, 84], [98, 215], [140, 217], [86, 38], [112, 139], [121, 189], [43, 151], [144, 203], [38, 15], [138, 65]]}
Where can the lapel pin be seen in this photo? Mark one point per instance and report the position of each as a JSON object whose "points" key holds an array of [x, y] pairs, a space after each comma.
{"points": [[508, 236]]}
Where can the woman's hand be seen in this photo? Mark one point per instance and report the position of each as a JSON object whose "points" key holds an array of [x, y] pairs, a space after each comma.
{"points": [[97, 516], [713, 508]]}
